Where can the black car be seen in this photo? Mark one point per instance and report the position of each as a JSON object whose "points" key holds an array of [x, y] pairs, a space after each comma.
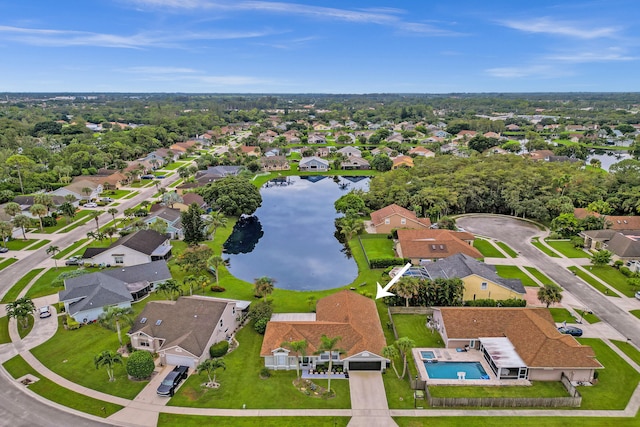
{"points": [[172, 380], [3, 250], [570, 330]]}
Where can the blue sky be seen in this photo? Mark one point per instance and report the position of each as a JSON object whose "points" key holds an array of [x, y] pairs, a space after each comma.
{"points": [[416, 46]]}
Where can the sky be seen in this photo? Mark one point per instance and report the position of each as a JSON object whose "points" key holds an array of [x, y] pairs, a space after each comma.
{"points": [[354, 47]]}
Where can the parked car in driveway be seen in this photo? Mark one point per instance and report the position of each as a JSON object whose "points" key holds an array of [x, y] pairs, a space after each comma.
{"points": [[3, 250], [74, 260], [173, 379], [570, 330], [638, 295], [44, 312], [106, 199], [90, 205]]}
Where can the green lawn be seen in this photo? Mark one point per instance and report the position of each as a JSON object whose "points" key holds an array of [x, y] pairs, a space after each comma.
{"points": [[46, 285], [24, 331], [507, 249], [593, 282], [46, 388], [377, 246], [7, 262], [176, 183], [116, 194], [566, 248], [174, 166], [4, 330], [629, 350], [171, 420], [561, 315], [15, 290], [635, 313], [538, 389], [616, 382], [70, 354], [537, 421], [19, 244], [38, 245], [614, 278], [538, 275], [241, 384], [514, 272], [131, 195], [535, 242], [487, 249], [69, 249]]}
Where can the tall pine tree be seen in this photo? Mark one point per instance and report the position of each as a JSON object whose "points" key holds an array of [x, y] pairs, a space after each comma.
{"points": [[193, 225]]}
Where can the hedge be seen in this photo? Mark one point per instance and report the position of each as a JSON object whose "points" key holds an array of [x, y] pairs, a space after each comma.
{"points": [[387, 262], [493, 303], [140, 364], [219, 349]]}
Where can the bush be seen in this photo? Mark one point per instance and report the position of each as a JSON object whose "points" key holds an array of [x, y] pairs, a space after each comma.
{"points": [[71, 323], [387, 262], [49, 221], [265, 372], [216, 288], [219, 349], [512, 302], [577, 242], [626, 272], [260, 310], [618, 263], [140, 365], [260, 326]]}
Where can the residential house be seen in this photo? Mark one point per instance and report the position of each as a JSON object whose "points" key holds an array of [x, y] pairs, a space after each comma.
{"points": [[171, 217], [402, 162], [272, 152], [321, 127], [466, 134], [108, 179], [491, 135], [347, 314], [431, 245], [624, 223], [350, 152], [26, 202], [322, 151], [512, 127], [274, 163], [188, 199], [81, 189], [181, 332], [396, 137], [393, 217], [540, 155], [381, 150], [183, 148], [441, 134], [625, 245], [250, 150], [213, 173], [354, 162], [517, 343], [136, 248], [316, 138], [495, 150], [85, 297], [314, 164], [421, 151]]}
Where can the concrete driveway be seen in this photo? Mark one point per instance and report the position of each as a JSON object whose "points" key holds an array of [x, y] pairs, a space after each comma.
{"points": [[368, 400]]}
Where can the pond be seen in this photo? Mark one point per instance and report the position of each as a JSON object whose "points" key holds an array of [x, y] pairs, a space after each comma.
{"points": [[608, 158], [291, 238]]}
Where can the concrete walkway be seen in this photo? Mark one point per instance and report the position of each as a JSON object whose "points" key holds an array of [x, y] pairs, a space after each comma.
{"points": [[368, 400]]}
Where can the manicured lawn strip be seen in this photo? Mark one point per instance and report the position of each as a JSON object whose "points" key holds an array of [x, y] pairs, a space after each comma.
{"points": [[71, 353], [240, 384], [76, 224], [176, 183], [171, 420], [593, 282], [516, 421], [487, 249], [61, 223], [19, 244], [174, 166], [116, 194], [507, 249], [7, 262], [561, 315], [635, 313], [535, 242], [629, 350], [69, 249], [131, 195], [566, 248], [44, 285], [514, 272], [15, 290], [614, 278], [537, 389], [4, 330], [38, 245], [584, 316], [46, 388], [377, 246], [23, 332], [141, 183], [616, 383], [538, 275]]}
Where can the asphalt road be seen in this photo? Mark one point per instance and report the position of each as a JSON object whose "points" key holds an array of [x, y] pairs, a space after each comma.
{"points": [[517, 234]]}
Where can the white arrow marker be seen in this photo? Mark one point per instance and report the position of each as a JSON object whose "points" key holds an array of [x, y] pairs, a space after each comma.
{"points": [[384, 292]]}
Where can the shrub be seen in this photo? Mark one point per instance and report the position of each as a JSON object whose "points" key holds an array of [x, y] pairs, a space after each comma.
{"points": [[618, 263], [512, 302], [49, 221], [260, 326], [387, 262], [260, 310], [71, 323], [577, 242], [140, 365], [265, 372], [216, 288], [626, 272], [219, 349]]}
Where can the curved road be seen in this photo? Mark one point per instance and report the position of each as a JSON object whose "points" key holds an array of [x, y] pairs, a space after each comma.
{"points": [[517, 234]]}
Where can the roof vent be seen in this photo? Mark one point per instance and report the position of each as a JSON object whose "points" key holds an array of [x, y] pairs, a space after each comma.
{"points": [[143, 320], [158, 322]]}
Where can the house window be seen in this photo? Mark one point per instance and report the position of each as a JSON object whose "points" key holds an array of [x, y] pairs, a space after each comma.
{"points": [[144, 343], [483, 286], [118, 259], [403, 221], [387, 221], [233, 311], [221, 323]]}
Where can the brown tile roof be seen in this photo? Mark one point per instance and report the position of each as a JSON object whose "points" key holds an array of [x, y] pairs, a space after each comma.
{"points": [[403, 160], [613, 222], [531, 331], [378, 217], [347, 314], [540, 154], [429, 244], [189, 198]]}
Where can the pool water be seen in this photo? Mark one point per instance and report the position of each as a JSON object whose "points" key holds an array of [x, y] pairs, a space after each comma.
{"points": [[449, 370], [426, 355]]}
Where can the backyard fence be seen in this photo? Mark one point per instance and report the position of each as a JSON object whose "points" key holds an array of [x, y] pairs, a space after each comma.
{"points": [[411, 310]]}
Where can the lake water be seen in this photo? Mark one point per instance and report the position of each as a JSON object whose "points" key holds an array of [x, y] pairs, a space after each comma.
{"points": [[608, 158], [291, 236]]}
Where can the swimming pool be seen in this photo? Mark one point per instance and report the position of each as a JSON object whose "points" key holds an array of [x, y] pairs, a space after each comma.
{"points": [[427, 355], [449, 370]]}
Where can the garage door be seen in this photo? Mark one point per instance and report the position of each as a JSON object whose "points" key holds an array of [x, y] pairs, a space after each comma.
{"points": [[172, 359], [365, 366]]}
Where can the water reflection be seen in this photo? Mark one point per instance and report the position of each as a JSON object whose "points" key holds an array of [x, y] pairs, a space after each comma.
{"points": [[245, 236]]}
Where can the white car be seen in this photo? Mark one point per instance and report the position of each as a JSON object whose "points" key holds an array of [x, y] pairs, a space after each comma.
{"points": [[91, 205], [638, 295], [44, 312]]}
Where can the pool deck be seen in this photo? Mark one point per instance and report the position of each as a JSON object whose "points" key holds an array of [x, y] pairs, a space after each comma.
{"points": [[452, 355]]}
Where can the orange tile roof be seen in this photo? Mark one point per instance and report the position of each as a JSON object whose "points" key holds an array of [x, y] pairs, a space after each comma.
{"points": [[429, 244], [378, 217], [346, 314], [613, 222], [531, 331]]}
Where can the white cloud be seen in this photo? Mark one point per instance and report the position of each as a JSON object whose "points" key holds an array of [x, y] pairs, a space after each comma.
{"points": [[563, 28], [160, 70], [544, 71], [585, 57]]}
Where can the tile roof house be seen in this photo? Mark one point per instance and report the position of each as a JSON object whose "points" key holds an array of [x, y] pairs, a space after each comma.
{"points": [[316, 139], [188, 199], [421, 151], [171, 217], [622, 223], [346, 314], [139, 247], [76, 188], [431, 245], [350, 152], [381, 150], [402, 162], [624, 245], [394, 217], [274, 163], [518, 343], [313, 163], [182, 331], [251, 151], [85, 297], [540, 154], [355, 162]]}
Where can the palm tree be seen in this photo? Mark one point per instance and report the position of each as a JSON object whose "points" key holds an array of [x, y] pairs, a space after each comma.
{"points": [[12, 209], [43, 199], [391, 352], [111, 231], [405, 344], [6, 231], [299, 348], [329, 344], [22, 221], [215, 221], [351, 227], [20, 310], [189, 281], [550, 294], [216, 262], [92, 235], [95, 215], [107, 359], [87, 191], [263, 286], [210, 366], [114, 317], [39, 211], [407, 288], [53, 250], [169, 287], [113, 212]]}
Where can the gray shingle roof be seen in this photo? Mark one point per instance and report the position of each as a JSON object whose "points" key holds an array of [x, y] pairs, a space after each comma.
{"points": [[95, 290]]}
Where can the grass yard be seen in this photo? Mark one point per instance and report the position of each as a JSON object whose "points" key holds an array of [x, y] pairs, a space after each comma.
{"points": [[69, 249], [241, 384], [115, 194], [45, 285], [176, 183], [19, 244], [536, 242], [70, 354], [514, 272], [170, 420], [17, 367], [616, 383], [7, 262], [131, 195], [566, 248], [538, 389], [629, 350], [38, 245], [174, 166], [635, 313], [593, 282], [22, 331], [537, 421], [561, 315], [377, 246], [15, 290], [4, 330], [614, 278], [487, 249], [538, 275], [507, 249]]}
